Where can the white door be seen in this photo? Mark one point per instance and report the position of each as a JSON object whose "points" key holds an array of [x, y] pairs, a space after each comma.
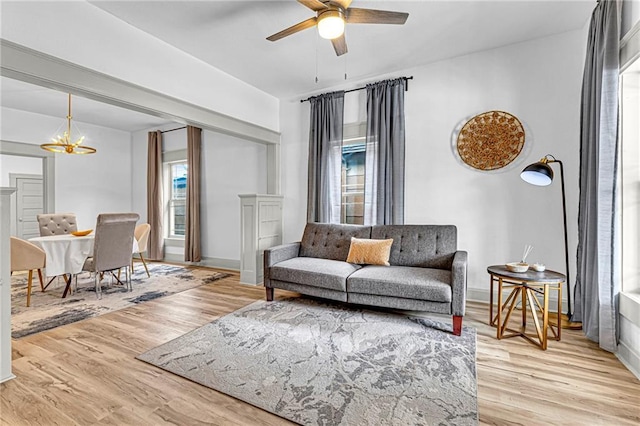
{"points": [[29, 204]]}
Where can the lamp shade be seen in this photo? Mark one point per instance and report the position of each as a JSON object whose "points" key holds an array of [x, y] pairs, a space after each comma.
{"points": [[331, 24], [539, 174]]}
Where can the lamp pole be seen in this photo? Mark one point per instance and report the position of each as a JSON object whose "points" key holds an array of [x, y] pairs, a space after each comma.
{"points": [[566, 237], [541, 174]]}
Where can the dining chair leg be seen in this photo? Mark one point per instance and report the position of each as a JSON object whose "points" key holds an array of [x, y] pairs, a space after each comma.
{"points": [[29, 287], [98, 286], [145, 265], [41, 280]]}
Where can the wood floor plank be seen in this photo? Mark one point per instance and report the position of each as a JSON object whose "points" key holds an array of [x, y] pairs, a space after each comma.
{"points": [[86, 372]]}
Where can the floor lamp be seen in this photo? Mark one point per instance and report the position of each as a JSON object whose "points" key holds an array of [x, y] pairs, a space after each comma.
{"points": [[541, 174]]}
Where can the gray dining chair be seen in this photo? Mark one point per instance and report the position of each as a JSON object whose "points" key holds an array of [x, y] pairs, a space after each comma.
{"points": [[56, 224], [112, 247]]}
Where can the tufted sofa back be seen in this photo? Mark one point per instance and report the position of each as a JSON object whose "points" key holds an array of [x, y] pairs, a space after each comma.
{"points": [[329, 241], [427, 246], [56, 224]]}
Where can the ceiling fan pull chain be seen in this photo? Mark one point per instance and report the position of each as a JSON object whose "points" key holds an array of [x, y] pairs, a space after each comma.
{"points": [[345, 66], [316, 58]]}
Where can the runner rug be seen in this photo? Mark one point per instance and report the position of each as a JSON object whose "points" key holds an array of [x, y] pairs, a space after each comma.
{"points": [[318, 363], [49, 310]]}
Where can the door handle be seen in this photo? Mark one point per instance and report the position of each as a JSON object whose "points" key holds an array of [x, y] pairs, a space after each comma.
{"points": [[20, 220]]}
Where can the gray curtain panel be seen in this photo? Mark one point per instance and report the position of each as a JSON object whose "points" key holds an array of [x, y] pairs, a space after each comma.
{"points": [[325, 142], [192, 226], [384, 166], [598, 272], [155, 249]]}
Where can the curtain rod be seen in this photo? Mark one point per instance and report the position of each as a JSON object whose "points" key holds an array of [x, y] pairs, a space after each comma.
{"points": [[177, 128], [362, 88]]}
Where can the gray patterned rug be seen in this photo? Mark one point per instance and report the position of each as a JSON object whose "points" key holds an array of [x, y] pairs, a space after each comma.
{"points": [[49, 310], [318, 363]]}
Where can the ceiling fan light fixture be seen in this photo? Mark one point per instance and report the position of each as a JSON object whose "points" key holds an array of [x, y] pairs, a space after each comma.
{"points": [[331, 24]]}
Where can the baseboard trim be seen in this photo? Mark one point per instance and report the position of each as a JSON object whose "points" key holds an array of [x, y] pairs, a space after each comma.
{"points": [[9, 377], [629, 358], [212, 262]]}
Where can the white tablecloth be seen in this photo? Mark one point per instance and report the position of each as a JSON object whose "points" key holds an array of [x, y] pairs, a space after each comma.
{"points": [[66, 254]]}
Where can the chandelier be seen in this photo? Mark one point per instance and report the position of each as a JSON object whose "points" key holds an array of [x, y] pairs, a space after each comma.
{"points": [[64, 144]]}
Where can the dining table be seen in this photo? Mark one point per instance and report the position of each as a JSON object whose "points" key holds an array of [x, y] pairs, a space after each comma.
{"points": [[67, 253]]}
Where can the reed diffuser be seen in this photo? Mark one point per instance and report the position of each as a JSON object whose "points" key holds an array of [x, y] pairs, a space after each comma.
{"points": [[521, 266], [527, 250]]}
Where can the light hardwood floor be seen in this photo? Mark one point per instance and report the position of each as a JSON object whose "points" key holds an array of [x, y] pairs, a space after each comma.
{"points": [[86, 373]]}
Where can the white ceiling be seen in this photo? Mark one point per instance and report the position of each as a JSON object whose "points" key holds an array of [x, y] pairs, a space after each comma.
{"points": [[231, 36], [40, 100]]}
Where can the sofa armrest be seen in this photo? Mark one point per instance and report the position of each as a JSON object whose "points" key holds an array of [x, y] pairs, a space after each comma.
{"points": [[278, 254], [459, 283]]}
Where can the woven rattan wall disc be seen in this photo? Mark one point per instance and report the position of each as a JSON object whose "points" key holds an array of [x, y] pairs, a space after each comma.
{"points": [[490, 140]]}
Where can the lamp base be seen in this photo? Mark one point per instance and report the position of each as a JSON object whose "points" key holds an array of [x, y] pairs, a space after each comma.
{"points": [[564, 321]]}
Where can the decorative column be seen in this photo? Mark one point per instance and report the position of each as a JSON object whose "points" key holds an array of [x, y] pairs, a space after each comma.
{"points": [[260, 228], [5, 285]]}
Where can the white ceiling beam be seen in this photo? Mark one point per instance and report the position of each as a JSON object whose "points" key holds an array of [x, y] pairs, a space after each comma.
{"points": [[31, 66]]}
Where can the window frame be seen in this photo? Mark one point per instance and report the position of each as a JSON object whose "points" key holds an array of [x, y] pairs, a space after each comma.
{"points": [[353, 134], [169, 160]]}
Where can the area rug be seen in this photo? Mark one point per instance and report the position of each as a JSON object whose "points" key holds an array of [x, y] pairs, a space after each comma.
{"points": [[49, 310], [318, 363]]}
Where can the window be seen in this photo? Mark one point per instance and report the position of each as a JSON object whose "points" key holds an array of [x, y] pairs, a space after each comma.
{"points": [[176, 208], [630, 130], [353, 174], [353, 157]]}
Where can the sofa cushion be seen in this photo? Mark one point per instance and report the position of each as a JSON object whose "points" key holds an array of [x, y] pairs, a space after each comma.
{"points": [[402, 281], [426, 246], [329, 241], [324, 273]]}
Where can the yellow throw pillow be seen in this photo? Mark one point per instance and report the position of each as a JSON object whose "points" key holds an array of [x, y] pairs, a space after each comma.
{"points": [[369, 252]]}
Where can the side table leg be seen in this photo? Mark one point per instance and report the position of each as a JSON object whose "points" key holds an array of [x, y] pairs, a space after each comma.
{"points": [[559, 309], [524, 309], [545, 316], [499, 314], [491, 319]]}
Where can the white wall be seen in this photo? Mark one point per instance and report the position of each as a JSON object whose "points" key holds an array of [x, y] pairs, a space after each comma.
{"points": [[13, 164], [496, 213], [85, 184], [91, 37], [630, 15], [230, 166], [629, 317]]}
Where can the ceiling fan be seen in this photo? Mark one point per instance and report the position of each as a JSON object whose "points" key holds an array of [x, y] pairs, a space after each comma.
{"points": [[332, 16]]}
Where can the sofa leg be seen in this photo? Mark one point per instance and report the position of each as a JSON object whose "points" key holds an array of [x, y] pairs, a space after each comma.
{"points": [[269, 294], [457, 325]]}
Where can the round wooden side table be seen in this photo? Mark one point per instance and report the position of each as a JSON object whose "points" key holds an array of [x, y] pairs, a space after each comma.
{"points": [[525, 286]]}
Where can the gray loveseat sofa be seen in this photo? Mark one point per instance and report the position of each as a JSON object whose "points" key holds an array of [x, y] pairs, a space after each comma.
{"points": [[427, 272]]}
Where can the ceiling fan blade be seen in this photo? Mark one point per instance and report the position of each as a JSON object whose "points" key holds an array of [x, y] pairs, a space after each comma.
{"points": [[344, 3], [372, 16], [294, 29], [340, 45], [314, 5]]}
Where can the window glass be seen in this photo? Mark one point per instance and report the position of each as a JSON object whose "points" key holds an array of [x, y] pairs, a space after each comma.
{"points": [[630, 130], [177, 198], [353, 160]]}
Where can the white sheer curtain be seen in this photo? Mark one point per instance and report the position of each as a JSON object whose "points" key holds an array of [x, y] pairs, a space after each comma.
{"points": [[370, 183]]}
